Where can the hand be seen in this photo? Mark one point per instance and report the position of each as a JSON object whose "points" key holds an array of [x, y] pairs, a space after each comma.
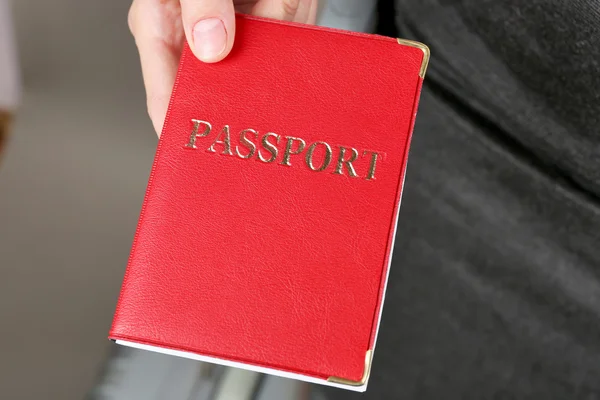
{"points": [[160, 26]]}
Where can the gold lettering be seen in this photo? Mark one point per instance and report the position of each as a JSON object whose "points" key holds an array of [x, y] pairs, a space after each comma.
{"points": [[252, 145], [248, 143], [288, 149], [226, 142], [194, 135], [270, 147], [326, 159], [341, 161], [374, 156]]}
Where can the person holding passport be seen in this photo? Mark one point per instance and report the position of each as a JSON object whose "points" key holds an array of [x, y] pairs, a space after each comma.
{"points": [[494, 291], [160, 26]]}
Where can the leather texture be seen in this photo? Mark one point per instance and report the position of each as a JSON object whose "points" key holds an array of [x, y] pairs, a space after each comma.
{"points": [[268, 264]]}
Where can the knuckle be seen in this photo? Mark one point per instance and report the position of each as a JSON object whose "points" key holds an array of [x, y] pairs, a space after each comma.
{"points": [[151, 108], [156, 107], [131, 18], [290, 7]]}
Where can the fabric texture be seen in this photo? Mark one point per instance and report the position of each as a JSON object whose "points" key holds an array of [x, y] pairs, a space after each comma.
{"points": [[494, 291]]}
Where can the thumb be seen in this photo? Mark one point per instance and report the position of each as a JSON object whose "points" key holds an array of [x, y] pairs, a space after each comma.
{"points": [[209, 27]]}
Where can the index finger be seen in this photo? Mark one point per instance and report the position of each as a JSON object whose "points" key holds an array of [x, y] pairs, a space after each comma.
{"points": [[158, 32]]}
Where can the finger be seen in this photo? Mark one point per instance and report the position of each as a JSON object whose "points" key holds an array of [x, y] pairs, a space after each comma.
{"points": [[209, 27], [159, 68], [287, 10], [312, 15], [156, 27]]}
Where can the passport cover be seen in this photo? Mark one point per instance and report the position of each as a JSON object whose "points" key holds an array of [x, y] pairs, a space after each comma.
{"points": [[266, 233]]}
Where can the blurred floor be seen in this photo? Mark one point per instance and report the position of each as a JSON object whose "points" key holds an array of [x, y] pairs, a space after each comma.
{"points": [[71, 185]]}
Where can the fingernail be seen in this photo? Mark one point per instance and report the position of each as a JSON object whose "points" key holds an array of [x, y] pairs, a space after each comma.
{"points": [[210, 38]]}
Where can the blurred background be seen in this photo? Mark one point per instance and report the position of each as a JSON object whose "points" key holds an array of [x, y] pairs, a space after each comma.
{"points": [[72, 179]]}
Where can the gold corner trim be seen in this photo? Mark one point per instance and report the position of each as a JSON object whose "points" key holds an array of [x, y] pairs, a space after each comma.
{"points": [[363, 380], [425, 51]]}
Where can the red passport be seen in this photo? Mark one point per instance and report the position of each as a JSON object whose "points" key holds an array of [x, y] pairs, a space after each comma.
{"points": [[265, 237]]}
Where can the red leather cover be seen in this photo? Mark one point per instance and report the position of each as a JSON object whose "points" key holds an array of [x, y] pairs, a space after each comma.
{"points": [[278, 264]]}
